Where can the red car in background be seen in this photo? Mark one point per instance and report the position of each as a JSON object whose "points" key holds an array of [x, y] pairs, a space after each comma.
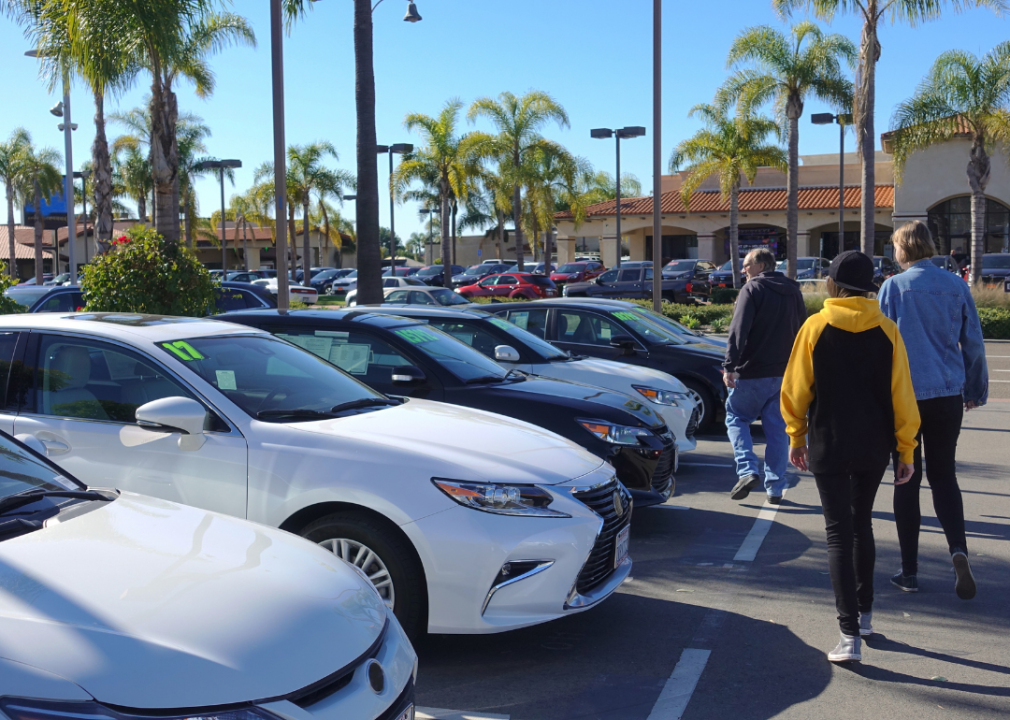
{"points": [[512, 285], [577, 272]]}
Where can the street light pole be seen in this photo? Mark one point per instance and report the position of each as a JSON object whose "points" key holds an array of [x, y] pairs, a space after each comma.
{"points": [[280, 160], [626, 132], [842, 120], [398, 148], [657, 160]]}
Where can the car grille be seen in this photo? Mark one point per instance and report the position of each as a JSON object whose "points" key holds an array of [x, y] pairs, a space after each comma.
{"points": [[600, 564], [692, 424], [662, 476], [319, 691]]}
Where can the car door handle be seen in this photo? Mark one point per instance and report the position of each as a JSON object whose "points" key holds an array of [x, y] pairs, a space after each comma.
{"points": [[54, 446]]}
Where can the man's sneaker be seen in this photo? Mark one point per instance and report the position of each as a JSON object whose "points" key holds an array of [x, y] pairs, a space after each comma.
{"points": [[865, 624], [849, 649], [908, 583], [744, 486], [965, 585], [775, 499]]}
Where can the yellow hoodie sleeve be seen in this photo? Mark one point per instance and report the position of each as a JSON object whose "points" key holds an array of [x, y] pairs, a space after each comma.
{"points": [[906, 410], [798, 383]]}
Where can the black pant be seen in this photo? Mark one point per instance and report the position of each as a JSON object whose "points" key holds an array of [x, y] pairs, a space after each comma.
{"points": [[847, 500], [938, 433]]}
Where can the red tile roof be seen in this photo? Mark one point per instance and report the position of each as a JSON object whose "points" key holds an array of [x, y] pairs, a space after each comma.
{"points": [[24, 244], [751, 200]]}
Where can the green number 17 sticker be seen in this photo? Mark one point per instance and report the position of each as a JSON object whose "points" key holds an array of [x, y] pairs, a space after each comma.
{"points": [[183, 350]]}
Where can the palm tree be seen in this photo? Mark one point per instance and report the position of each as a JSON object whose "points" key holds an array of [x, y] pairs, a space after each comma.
{"points": [[331, 226], [551, 181], [731, 148], [133, 170], [42, 179], [12, 165], [191, 154], [518, 121], [911, 12], [309, 178], [444, 164], [600, 186], [962, 93], [786, 69]]}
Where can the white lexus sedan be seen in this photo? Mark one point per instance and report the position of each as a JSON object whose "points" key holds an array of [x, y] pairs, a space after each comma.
{"points": [[116, 606], [465, 521]]}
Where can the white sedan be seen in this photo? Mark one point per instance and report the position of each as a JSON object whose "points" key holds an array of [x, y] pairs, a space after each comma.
{"points": [[114, 600], [296, 292], [457, 535], [427, 295], [351, 299]]}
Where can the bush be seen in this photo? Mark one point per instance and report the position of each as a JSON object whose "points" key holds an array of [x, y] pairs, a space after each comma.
{"points": [[995, 323], [991, 298], [719, 325], [724, 296], [8, 306], [144, 273]]}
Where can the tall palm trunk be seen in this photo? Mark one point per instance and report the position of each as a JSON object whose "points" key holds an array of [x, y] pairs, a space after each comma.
{"points": [[978, 178], [517, 213], [306, 260], [734, 231], [794, 109], [293, 245], [501, 234], [11, 247], [190, 208], [443, 226], [447, 265], [548, 251], [369, 253], [165, 158], [869, 53], [101, 178], [142, 207], [37, 199], [245, 245]]}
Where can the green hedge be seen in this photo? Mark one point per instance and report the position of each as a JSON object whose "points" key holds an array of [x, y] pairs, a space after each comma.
{"points": [[995, 323], [724, 296]]}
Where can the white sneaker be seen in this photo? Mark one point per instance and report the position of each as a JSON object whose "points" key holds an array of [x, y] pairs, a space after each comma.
{"points": [[849, 649], [865, 624]]}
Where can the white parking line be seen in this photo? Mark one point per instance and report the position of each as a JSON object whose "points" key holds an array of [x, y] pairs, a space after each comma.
{"points": [[718, 465], [436, 714], [680, 687], [752, 543]]}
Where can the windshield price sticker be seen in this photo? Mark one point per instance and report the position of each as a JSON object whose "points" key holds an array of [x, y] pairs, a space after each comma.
{"points": [[183, 350], [502, 324], [226, 380], [626, 316], [417, 336], [351, 357]]}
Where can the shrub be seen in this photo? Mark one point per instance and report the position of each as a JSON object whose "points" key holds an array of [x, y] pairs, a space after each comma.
{"points": [[995, 323], [991, 297], [724, 296], [719, 324], [8, 306], [144, 273], [691, 322]]}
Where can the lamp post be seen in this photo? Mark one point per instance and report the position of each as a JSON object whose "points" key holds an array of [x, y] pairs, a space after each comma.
{"points": [[842, 120], [657, 152], [397, 149], [84, 175], [606, 133], [62, 109], [221, 166]]}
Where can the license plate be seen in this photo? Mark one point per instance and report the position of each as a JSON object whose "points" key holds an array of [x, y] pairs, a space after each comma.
{"points": [[407, 714], [621, 545]]}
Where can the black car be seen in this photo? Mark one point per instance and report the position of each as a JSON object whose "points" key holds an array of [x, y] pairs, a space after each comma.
{"points": [[634, 280], [435, 275], [231, 296], [477, 272], [883, 268], [398, 356], [723, 277], [43, 298], [626, 333], [995, 269]]}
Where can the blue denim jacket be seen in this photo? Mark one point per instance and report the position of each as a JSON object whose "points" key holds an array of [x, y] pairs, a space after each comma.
{"points": [[936, 315]]}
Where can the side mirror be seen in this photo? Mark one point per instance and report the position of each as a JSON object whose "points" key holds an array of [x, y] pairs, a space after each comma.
{"points": [[625, 343], [506, 353], [599, 280], [407, 375], [175, 415]]}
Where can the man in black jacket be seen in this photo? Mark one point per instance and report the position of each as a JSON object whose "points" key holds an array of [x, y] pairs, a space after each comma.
{"points": [[769, 313]]}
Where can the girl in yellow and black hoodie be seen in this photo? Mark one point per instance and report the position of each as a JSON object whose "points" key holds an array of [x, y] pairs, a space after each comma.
{"points": [[849, 389]]}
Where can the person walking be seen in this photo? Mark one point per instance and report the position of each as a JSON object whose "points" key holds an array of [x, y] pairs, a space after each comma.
{"points": [[937, 318], [769, 312], [848, 402]]}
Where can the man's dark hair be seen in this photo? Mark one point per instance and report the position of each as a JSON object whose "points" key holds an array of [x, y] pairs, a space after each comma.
{"points": [[764, 258]]}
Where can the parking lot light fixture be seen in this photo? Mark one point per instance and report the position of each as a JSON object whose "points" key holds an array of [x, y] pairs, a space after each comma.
{"points": [[632, 131], [397, 149], [842, 120]]}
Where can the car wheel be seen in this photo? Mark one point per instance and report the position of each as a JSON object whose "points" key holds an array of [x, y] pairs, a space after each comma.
{"points": [[519, 295], [386, 558], [706, 405]]}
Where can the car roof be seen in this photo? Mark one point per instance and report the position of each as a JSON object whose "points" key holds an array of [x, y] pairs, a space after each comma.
{"points": [[342, 315], [576, 301], [428, 311], [152, 328]]}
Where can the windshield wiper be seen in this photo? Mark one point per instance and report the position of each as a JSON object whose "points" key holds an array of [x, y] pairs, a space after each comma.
{"points": [[486, 379], [28, 497], [294, 414], [362, 403], [515, 375]]}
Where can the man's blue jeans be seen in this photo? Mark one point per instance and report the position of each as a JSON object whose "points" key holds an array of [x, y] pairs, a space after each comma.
{"points": [[750, 399]]}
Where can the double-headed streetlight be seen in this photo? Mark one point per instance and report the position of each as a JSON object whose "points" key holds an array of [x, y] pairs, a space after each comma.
{"points": [[62, 109], [398, 149], [221, 166], [842, 120], [621, 133]]}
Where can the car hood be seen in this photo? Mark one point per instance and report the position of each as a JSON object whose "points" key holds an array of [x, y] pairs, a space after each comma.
{"points": [[144, 603], [595, 371], [700, 349], [435, 439]]}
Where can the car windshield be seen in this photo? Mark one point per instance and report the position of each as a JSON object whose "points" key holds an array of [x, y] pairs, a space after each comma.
{"points": [[267, 377], [433, 270], [571, 268], [801, 264], [446, 297], [21, 472], [673, 329], [650, 330], [995, 262], [412, 281], [474, 269], [27, 297], [455, 356], [680, 265], [544, 348], [541, 280], [728, 266]]}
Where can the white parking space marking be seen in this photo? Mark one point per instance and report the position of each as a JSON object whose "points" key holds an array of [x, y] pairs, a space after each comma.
{"points": [[718, 465], [1000, 381], [436, 714], [680, 687], [752, 543]]}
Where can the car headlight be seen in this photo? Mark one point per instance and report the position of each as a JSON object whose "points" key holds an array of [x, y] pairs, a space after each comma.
{"points": [[615, 434], [19, 709], [662, 397], [527, 500]]}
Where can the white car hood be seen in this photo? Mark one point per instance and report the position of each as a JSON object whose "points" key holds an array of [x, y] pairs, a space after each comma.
{"points": [[149, 604], [434, 439], [588, 369]]}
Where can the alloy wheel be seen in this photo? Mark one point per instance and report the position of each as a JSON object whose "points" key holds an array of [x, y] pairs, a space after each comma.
{"points": [[699, 401], [365, 559]]}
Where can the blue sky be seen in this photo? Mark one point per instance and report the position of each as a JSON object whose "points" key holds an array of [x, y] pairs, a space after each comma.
{"points": [[595, 57]]}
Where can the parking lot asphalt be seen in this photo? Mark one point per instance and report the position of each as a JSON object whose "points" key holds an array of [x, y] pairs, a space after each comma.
{"points": [[729, 613]]}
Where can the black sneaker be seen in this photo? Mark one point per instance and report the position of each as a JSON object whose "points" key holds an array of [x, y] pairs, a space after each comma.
{"points": [[775, 499], [744, 486], [965, 585], [907, 583]]}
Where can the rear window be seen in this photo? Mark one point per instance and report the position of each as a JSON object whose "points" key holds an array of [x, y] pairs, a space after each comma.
{"points": [[541, 280], [571, 268], [1001, 262], [28, 297]]}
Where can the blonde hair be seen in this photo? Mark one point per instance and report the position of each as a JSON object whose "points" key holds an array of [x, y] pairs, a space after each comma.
{"points": [[837, 291], [915, 242]]}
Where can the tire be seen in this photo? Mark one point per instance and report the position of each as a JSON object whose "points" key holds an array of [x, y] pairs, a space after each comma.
{"points": [[703, 396], [518, 294], [395, 567]]}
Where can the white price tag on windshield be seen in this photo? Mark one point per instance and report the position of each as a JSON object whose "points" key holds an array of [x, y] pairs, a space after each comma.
{"points": [[351, 357], [226, 380]]}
